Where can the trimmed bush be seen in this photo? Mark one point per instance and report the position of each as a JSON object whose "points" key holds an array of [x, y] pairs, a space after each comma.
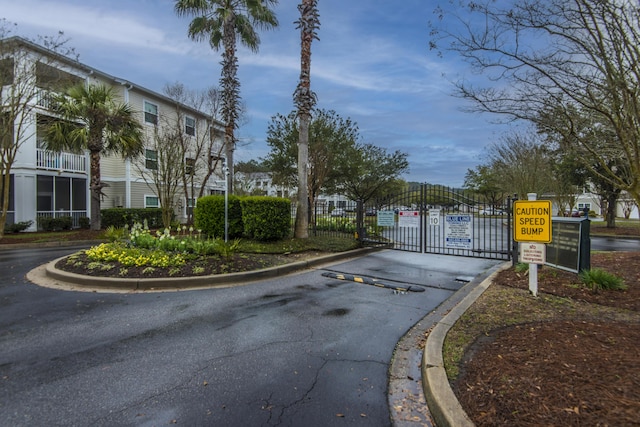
{"points": [[208, 216], [17, 227], [55, 224], [84, 222], [120, 217], [266, 218]]}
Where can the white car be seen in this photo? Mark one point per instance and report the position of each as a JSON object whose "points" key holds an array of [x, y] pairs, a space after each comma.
{"points": [[338, 212], [491, 211]]}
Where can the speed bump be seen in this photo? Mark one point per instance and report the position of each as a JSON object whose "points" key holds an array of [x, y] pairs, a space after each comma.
{"points": [[373, 282]]}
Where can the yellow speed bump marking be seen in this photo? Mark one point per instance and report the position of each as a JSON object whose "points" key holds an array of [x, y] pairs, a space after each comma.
{"points": [[373, 282]]}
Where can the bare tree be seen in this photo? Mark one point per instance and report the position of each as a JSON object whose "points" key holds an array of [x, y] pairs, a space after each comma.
{"points": [[523, 164], [164, 170], [201, 148], [577, 58], [22, 87]]}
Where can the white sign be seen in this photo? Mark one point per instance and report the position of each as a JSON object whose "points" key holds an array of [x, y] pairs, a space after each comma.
{"points": [[533, 253], [434, 217], [386, 218], [409, 219], [457, 232]]}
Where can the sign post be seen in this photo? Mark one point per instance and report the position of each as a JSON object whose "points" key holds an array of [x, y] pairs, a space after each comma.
{"points": [[532, 224]]}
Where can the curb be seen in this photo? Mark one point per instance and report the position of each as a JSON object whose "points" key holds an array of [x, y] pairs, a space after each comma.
{"points": [[46, 274], [442, 402]]}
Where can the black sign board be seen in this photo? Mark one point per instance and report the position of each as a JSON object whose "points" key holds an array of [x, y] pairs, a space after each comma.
{"points": [[570, 247]]}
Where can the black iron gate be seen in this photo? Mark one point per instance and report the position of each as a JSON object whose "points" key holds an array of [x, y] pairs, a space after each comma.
{"points": [[437, 219]]}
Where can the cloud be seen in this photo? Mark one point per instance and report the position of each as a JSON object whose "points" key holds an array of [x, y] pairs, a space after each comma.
{"points": [[105, 24]]}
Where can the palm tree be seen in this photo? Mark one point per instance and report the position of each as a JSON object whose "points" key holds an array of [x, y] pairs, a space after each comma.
{"points": [[305, 100], [224, 22], [92, 120]]}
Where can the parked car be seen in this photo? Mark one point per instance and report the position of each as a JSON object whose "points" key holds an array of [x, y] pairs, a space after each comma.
{"points": [[370, 212], [338, 212], [491, 211], [574, 213]]}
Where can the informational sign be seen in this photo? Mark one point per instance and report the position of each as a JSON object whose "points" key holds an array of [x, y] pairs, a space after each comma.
{"points": [[571, 247], [533, 253], [458, 232], [532, 221], [434, 217], [409, 219], [386, 218]]}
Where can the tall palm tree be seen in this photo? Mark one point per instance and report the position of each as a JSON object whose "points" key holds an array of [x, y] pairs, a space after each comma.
{"points": [[305, 100], [93, 120], [223, 23]]}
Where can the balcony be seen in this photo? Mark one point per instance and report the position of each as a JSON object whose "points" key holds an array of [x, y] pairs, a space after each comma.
{"points": [[44, 99], [62, 162]]}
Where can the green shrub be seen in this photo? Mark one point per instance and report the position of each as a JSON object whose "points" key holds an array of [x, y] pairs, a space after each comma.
{"points": [[114, 234], [266, 218], [120, 217], [209, 216], [598, 279], [84, 222], [55, 224], [17, 227]]}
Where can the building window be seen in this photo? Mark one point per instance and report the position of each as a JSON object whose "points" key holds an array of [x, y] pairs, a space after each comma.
{"points": [[150, 113], [189, 165], [190, 126], [6, 71], [151, 159], [151, 202]]}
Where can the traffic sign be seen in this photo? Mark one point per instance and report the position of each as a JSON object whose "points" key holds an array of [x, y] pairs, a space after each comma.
{"points": [[532, 221]]}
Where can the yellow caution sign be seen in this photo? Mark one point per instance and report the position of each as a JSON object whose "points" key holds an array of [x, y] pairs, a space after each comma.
{"points": [[532, 221]]}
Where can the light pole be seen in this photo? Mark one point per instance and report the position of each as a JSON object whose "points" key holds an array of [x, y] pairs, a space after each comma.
{"points": [[226, 202]]}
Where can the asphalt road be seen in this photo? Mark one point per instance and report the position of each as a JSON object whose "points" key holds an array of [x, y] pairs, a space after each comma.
{"points": [[298, 350]]}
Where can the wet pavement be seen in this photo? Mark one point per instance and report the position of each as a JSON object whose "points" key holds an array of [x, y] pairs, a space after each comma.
{"points": [[304, 349]]}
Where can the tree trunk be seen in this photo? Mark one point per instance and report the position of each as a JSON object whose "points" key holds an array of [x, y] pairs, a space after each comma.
{"points": [[612, 204], [96, 190], [6, 182], [302, 211]]}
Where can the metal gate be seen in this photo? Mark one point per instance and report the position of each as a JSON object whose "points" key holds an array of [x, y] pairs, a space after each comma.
{"points": [[437, 219]]}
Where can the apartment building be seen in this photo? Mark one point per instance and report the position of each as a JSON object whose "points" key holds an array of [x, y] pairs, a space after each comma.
{"points": [[45, 184]]}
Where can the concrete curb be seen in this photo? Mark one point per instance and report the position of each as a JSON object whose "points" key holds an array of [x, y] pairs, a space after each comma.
{"points": [[442, 402], [49, 276]]}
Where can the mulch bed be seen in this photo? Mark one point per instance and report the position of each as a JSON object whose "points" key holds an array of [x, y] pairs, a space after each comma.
{"points": [[583, 372]]}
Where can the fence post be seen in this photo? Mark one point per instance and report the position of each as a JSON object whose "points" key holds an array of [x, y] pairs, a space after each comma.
{"points": [[360, 220], [514, 244]]}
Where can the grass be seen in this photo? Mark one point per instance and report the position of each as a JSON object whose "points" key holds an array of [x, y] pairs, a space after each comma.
{"points": [[42, 236], [291, 245]]}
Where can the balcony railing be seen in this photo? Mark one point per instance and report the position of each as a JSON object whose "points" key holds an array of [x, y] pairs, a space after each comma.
{"points": [[65, 162], [45, 99]]}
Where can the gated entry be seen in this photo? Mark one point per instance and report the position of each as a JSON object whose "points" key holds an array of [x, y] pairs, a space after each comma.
{"points": [[442, 220]]}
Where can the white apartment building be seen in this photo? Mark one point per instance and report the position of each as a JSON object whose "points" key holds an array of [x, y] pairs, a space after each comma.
{"points": [[46, 183]]}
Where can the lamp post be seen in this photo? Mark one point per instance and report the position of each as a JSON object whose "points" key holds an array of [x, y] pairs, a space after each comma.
{"points": [[226, 202]]}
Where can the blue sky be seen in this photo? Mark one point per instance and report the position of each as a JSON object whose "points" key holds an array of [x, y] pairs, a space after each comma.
{"points": [[372, 64]]}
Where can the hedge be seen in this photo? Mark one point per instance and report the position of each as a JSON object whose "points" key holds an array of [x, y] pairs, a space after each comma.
{"points": [[208, 216], [119, 217], [266, 218]]}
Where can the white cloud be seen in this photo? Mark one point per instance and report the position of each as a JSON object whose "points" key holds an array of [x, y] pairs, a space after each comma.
{"points": [[104, 24]]}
